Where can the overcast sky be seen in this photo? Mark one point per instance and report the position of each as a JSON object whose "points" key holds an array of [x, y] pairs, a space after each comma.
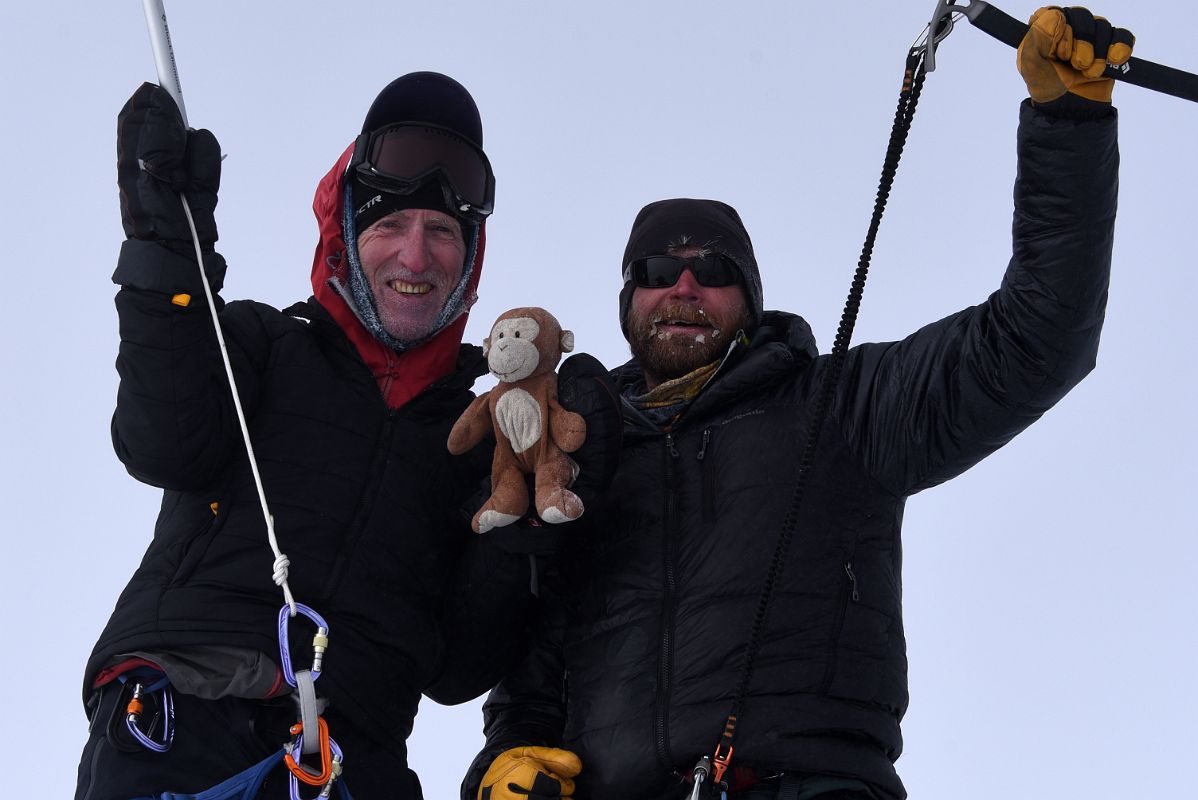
{"points": [[1050, 591]]}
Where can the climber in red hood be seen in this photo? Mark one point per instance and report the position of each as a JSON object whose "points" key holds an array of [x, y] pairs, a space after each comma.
{"points": [[349, 398]]}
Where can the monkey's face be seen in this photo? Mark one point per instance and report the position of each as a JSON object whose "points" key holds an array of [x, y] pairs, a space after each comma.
{"points": [[511, 349]]}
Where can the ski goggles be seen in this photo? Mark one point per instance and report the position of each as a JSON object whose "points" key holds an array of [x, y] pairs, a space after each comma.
{"points": [[403, 158], [659, 272]]}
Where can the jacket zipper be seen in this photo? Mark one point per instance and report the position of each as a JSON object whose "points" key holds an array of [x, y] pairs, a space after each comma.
{"points": [[665, 661], [708, 499], [366, 500], [848, 594], [848, 570]]}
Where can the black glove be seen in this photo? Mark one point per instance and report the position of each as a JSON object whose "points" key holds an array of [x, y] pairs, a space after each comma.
{"points": [[157, 158], [585, 387]]}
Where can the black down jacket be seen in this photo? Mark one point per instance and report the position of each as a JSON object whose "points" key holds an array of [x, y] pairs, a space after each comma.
{"points": [[636, 669], [365, 497]]}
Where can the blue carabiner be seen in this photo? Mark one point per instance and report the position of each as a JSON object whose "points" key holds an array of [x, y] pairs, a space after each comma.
{"points": [[319, 642], [136, 707]]}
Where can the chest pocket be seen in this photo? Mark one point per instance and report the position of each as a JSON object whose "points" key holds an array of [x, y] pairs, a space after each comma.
{"points": [[747, 461]]}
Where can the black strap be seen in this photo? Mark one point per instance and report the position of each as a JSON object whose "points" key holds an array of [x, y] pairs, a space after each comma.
{"points": [[1136, 71]]}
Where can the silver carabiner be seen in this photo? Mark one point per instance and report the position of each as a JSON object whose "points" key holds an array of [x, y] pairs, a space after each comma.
{"points": [[942, 25]]}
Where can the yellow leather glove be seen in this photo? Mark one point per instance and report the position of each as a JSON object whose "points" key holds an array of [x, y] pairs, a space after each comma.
{"points": [[1067, 50], [530, 773]]}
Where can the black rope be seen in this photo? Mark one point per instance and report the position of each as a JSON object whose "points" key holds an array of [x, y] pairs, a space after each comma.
{"points": [[913, 79]]}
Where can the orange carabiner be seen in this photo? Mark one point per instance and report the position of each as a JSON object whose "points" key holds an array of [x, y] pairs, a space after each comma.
{"points": [[326, 757], [721, 761]]}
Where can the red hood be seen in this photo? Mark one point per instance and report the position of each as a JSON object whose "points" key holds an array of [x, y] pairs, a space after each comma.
{"points": [[401, 376]]}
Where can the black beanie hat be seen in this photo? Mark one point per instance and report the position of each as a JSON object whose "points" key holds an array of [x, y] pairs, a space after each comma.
{"points": [[371, 204], [703, 223], [436, 99], [416, 97], [426, 97]]}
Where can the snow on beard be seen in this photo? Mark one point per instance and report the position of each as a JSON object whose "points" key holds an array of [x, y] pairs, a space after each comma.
{"points": [[675, 339]]}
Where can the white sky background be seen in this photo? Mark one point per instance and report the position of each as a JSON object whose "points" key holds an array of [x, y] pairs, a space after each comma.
{"points": [[1049, 592]]}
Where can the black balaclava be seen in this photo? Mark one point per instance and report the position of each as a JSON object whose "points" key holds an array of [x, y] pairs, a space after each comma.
{"points": [[703, 223], [416, 97]]}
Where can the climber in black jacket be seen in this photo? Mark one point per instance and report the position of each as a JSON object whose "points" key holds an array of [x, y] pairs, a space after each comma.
{"points": [[636, 665]]}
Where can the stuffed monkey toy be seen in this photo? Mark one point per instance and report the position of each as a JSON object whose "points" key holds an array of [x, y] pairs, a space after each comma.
{"points": [[533, 432]]}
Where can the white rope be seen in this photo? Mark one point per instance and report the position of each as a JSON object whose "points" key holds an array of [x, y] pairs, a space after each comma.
{"points": [[281, 561]]}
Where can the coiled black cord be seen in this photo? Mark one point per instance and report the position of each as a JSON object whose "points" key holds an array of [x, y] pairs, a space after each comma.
{"points": [[913, 79]]}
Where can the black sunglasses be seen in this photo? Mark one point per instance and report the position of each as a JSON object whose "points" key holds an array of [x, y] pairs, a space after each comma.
{"points": [[658, 272], [403, 158]]}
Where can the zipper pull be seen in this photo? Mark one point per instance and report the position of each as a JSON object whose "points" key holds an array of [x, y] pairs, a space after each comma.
{"points": [[848, 570], [670, 444], [703, 447]]}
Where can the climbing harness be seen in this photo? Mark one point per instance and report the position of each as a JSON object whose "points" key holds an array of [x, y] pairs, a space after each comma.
{"points": [[303, 680], [711, 769]]}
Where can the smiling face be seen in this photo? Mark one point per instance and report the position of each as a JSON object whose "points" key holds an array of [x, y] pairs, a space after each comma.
{"points": [[676, 330], [412, 260]]}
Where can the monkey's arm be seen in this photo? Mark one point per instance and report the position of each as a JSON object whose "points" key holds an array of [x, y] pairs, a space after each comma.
{"points": [[567, 429], [472, 426]]}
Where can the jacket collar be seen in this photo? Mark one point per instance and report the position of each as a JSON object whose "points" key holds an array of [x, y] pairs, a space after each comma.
{"points": [[469, 364], [781, 346]]}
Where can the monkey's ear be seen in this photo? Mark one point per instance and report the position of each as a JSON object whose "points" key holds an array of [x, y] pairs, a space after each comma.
{"points": [[567, 341], [487, 346]]}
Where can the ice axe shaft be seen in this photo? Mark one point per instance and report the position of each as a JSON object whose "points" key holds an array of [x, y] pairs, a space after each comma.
{"points": [[1005, 28], [164, 54], [168, 78]]}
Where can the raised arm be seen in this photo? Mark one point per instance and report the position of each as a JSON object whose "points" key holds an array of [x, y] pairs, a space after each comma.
{"points": [[924, 409], [174, 424]]}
